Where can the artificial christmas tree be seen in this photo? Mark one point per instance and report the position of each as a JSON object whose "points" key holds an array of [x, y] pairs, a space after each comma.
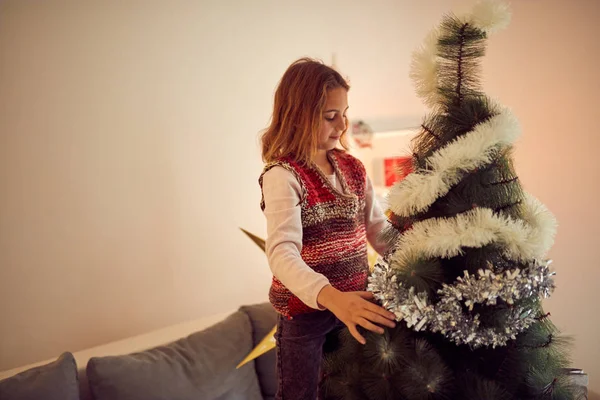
{"points": [[467, 271]]}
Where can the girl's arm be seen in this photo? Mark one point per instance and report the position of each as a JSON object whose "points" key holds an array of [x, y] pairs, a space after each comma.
{"points": [[375, 220], [281, 193]]}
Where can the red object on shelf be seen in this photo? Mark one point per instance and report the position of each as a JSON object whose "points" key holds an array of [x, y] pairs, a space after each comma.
{"points": [[362, 134], [396, 169]]}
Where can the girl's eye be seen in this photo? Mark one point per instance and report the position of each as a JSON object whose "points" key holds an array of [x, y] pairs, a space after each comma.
{"points": [[329, 118]]}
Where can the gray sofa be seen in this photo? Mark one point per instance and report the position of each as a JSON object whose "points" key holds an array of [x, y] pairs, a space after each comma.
{"points": [[199, 366]]}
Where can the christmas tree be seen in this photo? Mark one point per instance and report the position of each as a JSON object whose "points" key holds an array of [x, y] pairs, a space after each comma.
{"points": [[467, 270]]}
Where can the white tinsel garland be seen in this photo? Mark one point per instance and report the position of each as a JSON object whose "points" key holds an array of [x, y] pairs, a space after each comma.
{"points": [[424, 70], [490, 16], [448, 165], [521, 240]]}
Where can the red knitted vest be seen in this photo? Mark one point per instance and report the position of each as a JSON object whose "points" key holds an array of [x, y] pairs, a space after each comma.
{"points": [[334, 241]]}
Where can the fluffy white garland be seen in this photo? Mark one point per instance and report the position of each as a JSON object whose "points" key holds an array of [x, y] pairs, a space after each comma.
{"points": [[424, 70], [521, 240], [419, 190], [490, 16]]}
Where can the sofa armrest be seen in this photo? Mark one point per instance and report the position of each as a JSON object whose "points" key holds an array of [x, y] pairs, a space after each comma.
{"points": [[263, 318]]}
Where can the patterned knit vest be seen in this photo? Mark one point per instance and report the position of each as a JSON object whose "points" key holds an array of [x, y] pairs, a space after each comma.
{"points": [[334, 241]]}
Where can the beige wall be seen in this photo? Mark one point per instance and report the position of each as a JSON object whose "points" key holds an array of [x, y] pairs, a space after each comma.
{"points": [[128, 149]]}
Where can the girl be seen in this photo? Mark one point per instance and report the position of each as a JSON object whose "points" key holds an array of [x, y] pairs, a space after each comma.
{"points": [[321, 210]]}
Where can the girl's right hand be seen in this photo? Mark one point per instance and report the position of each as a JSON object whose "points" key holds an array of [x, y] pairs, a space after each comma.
{"points": [[356, 308]]}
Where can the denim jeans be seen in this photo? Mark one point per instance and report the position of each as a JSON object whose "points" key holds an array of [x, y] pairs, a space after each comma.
{"points": [[299, 353]]}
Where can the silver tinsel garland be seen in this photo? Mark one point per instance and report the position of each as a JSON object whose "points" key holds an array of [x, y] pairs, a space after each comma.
{"points": [[447, 316]]}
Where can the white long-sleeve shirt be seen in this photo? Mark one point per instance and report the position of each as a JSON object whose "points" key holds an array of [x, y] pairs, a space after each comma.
{"points": [[281, 193]]}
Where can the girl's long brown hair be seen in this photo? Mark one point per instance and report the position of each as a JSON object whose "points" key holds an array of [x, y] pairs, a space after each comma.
{"points": [[298, 111]]}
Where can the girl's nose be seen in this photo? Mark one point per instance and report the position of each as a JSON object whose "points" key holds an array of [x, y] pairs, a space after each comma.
{"points": [[341, 125]]}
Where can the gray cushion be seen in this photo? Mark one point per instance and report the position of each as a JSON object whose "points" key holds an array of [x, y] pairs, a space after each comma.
{"points": [[263, 318], [201, 366], [54, 381]]}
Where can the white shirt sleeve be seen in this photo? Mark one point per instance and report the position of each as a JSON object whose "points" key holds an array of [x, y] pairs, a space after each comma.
{"points": [[375, 220], [281, 194]]}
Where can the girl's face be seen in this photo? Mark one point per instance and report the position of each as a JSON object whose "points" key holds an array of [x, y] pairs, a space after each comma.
{"points": [[334, 118]]}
